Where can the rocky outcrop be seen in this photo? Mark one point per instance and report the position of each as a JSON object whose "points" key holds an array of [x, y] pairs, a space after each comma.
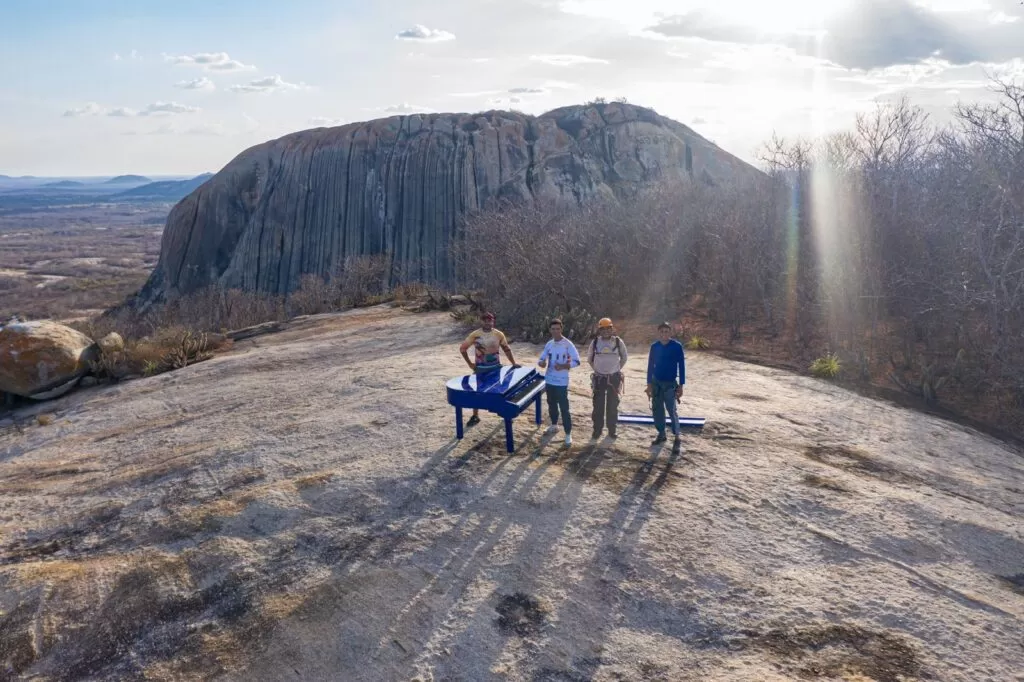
{"points": [[401, 186], [43, 359]]}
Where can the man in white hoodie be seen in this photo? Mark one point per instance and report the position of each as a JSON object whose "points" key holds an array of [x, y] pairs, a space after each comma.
{"points": [[562, 355]]}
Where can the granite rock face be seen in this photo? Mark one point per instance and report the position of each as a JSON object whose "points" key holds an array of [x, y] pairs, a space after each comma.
{"points": [[401, 186]]}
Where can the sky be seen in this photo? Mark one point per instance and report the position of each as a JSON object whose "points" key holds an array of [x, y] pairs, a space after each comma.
{"points": [[105, 87]]}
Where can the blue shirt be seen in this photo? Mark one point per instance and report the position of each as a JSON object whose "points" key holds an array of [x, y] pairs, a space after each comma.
{"points": [[560, 352], [663, 361]]}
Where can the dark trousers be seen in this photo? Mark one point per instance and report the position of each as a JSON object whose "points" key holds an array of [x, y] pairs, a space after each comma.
{"points": [[663, 396], [558, 401], [606, 401]]}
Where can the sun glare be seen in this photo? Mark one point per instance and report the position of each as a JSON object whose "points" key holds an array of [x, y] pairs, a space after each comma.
{"points": [[758, 16]]}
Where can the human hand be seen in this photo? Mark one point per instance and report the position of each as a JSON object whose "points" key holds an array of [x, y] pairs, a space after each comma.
{"points": [[542, 364], [648, 390], [679, 392]]}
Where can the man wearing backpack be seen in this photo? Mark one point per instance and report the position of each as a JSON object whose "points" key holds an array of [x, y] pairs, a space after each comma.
{"points": [[607, 357]]}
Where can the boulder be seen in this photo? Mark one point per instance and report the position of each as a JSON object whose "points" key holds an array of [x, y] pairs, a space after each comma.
{"points": [[43, 359], [310, 201]]}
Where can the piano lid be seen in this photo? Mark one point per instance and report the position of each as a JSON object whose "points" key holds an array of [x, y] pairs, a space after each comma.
{"points": [[499, 382]]}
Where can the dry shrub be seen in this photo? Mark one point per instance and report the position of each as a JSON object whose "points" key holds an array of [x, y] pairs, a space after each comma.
{"points": [[641, 255], [167, 350]]}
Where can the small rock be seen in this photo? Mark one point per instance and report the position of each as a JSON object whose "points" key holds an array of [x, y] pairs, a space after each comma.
{"points": [[111, 343], [44, 419]]}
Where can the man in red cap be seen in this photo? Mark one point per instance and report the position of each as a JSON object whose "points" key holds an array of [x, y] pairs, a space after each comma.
{"points": [[487, 342]]}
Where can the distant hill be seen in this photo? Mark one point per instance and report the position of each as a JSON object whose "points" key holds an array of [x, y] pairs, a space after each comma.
{"points": [[128, 180], [65, 183], [169, 190]]}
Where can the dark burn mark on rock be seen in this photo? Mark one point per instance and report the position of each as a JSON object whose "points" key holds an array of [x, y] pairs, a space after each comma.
{"points": [[857, 462], [835, 650], [520, 614]]}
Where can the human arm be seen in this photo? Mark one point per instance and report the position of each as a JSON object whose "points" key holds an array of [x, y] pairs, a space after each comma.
{"points": [[503, 342], [542, 361], [623, 354], [464, 349], [682, 372], [650, 371], [590, 353], [574, 356]]}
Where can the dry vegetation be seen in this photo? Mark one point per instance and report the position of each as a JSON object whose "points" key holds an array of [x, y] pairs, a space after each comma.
{"points": [[74, 261], [891, 255]]}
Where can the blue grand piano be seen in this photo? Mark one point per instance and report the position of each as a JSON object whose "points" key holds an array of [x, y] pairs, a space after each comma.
{"points": [[506, 392]]}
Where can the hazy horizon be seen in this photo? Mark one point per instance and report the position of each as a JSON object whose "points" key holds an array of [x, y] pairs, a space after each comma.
{"points": [[104, 89]]}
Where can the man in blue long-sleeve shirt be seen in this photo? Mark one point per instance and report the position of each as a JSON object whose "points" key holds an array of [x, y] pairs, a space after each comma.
{"points": [[665, 363]]}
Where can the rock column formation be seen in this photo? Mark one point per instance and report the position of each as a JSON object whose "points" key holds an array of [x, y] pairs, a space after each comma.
{"points": [[402, 185]]}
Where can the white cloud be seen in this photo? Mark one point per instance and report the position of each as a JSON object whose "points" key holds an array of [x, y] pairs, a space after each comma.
{"points": [[508, 103], [560, 85], [203, 83], [424, 34], [528, 91], [1002, 18], [269, 84], [217, 129], [406, 108], [954, 5], [325, 122], [566, 59], [136, 55], [165, 129], [123, 112], [117, 57], [90, 109], [216, 61], [477, 93], [158, 108]]}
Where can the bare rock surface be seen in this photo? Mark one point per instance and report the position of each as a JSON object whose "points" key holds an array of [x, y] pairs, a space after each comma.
{"points": [[298, 509], [42, 359], [400, 186]]}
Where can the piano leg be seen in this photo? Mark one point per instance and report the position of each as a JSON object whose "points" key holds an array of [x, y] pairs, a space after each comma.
{"points": [[509, 445], [458, 423], [537, 405]]}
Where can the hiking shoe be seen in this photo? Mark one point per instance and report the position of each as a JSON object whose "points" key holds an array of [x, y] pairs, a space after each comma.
{"points": [[659, 440], [612, 434], [473, 421], [595, 435], [552, 428], [568, 439]]}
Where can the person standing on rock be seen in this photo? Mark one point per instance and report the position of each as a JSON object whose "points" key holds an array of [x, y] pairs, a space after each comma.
{"points": [[487, 343], [607, 357], [665, 363], [562, 355]]}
